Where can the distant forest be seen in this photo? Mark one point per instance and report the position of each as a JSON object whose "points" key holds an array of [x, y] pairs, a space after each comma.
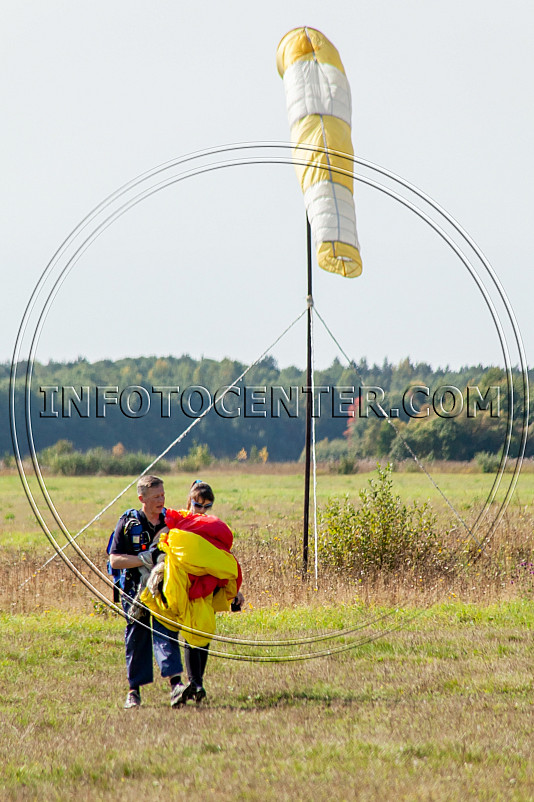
{"points": [[144, 403]]}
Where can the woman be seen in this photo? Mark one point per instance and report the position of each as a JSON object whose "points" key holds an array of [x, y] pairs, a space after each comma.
{"points": [[200, 577]]}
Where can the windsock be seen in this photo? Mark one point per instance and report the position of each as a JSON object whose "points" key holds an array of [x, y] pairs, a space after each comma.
{"points": [[319, 109]]}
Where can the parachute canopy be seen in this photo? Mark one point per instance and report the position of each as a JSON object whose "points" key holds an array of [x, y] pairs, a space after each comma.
{"points": [[319, 109]]}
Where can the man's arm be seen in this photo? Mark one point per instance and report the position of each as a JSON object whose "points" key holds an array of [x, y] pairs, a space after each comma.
{"points": [[124, 561], [119, 556]]}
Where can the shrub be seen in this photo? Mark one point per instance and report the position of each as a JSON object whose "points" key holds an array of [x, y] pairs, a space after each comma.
{"points": [[198, 456], [328, 450], [337, 453], [118, 450], [8, 460], [347, 465], [68, 462], [488, 463], [382, 534]]}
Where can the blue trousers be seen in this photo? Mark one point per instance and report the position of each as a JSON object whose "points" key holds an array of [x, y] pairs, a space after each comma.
{"points": [[139, 641]]}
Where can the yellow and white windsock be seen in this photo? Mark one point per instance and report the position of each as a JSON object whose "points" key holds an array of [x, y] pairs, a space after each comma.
{"points": [[319, 109]]}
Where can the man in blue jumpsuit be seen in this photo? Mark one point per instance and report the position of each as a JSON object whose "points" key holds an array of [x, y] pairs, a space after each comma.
{"points": [[130, 551]]}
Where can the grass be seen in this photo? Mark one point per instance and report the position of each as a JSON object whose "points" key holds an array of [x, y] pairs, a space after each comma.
{"points": [[440, 710], [265, 511], [248, 501], [435, 702]]}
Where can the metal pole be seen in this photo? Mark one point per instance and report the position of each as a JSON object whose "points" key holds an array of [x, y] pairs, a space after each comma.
{"points": [[309, 409]]}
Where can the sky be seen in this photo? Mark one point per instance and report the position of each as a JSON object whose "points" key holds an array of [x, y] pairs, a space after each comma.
{"points": [[99, 93]]}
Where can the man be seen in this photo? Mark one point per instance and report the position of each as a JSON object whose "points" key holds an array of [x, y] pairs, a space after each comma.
{"points": [[130, 551]]}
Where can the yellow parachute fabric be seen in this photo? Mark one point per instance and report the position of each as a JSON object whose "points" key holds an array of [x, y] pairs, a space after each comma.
{"points": [[319, 110], [188, 553]]}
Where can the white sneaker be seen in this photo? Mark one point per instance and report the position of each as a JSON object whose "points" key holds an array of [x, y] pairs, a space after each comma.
{"points": [[132, 700], [180, 694]]}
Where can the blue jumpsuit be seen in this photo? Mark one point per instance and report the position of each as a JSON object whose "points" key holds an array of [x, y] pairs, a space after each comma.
{"points": [[134, 533]]}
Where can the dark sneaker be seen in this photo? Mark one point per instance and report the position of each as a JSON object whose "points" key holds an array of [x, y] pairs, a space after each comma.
{"points": [[200, 694], [132, 700], [180, 694]]}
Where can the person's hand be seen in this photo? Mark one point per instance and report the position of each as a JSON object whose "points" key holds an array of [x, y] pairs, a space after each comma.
{"points": [[237, 603], [146, 559]]}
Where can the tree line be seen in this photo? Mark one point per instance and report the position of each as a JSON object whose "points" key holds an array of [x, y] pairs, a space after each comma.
{"points": [[145, 403]]}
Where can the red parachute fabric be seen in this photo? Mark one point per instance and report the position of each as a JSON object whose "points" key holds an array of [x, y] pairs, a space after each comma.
{"points": [[215, 532]]}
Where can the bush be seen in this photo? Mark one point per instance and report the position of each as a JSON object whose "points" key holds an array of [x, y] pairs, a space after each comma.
{"points": [[382, 534], [8, 460], [328, 450], [337, 453], [259, 455], [488, 463], [61, 459], [198, 456], [347, 465]]}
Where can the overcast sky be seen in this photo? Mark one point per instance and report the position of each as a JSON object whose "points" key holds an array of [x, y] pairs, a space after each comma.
{"points": [[97, 93]]}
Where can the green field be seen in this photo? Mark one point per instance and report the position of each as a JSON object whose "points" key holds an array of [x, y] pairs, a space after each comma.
{"points": [[247, 501], [441, 709], [434, 699]]}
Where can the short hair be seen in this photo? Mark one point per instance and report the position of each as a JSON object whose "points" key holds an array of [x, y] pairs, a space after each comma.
{"points": [[146, 482]]}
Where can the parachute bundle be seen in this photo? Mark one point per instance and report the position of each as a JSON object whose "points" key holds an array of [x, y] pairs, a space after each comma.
{"points": [[197, 563], [319, 109]]}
